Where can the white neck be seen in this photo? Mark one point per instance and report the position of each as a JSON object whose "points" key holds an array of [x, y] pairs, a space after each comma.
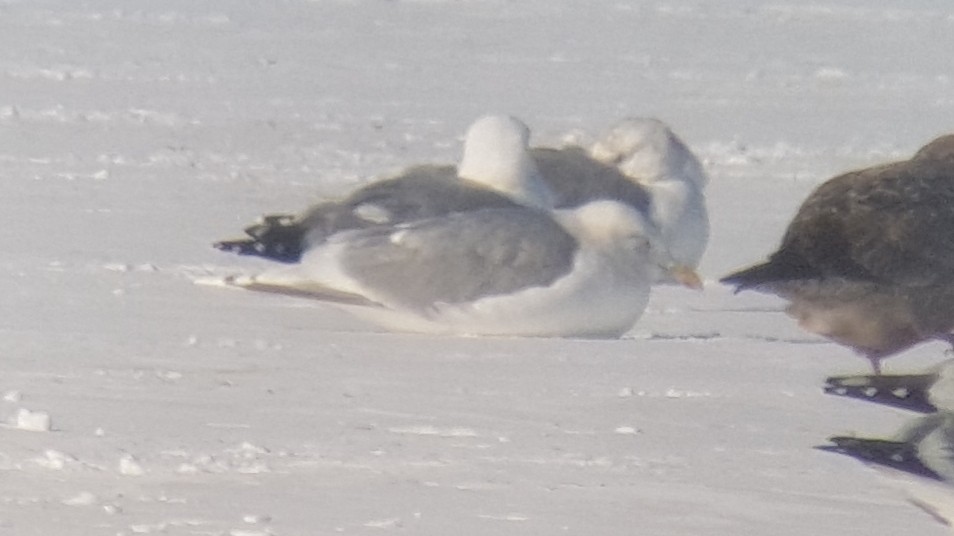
{"points": [[495, 155]]}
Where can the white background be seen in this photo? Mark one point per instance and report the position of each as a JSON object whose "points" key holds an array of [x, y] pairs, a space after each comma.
{"points": [[134, 133]]}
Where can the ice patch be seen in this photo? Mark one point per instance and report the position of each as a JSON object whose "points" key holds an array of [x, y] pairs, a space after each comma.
{"points": [[112, 509], [506, 517], [671, 392], [59, 73], [33, 421], [54, 459], [385, 523], [245, 458], [678, 393], [129, 466], [256, 519], [425, 430], [83, 498], [831, 74], [148, 529]]}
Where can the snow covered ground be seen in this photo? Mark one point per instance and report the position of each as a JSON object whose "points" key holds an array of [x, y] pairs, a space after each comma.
{"points": [[133, 133]]}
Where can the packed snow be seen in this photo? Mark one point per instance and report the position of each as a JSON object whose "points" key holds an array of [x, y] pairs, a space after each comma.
{"points": [[134, 134]]}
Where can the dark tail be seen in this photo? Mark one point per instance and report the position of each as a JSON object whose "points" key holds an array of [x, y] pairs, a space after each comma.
{"points": [[782, 266], [754, 276]]}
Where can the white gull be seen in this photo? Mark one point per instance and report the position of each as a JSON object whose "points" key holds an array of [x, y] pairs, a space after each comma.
{"points": [[517, 270], [582, 272], [650, 154], [656, 175]]}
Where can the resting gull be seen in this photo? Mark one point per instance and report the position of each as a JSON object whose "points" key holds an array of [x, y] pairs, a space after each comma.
{"points": [[868, 260], [513, 270], [648, 152], [583, 272], [643, 165]]}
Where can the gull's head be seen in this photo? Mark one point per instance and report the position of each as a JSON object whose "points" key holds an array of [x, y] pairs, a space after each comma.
{"points": [[612, 225], [496, 155], [646, 150]]}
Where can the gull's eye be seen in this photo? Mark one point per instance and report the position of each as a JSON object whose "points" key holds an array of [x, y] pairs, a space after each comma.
{"points": [[637, 241]]}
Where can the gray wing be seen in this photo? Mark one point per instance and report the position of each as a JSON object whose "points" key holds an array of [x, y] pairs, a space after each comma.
{"points": [[429, 191], [418, 193], [576, 179], [460, 257]]}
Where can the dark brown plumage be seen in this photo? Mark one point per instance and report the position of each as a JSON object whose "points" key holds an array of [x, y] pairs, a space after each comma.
{"points": [[868, 260]]}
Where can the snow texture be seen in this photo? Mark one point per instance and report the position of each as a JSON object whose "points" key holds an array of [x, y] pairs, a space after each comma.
{"points": [[133, 134]]}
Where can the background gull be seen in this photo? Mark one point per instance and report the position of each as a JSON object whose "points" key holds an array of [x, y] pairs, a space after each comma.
{"points": [[650, 154], [644, 165], [581, 272], [868, 260]]}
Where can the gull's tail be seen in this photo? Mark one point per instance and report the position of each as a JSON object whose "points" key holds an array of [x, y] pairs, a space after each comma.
{"points": [[784, 266]]}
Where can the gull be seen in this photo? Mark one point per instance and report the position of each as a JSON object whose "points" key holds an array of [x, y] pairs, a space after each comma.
{"points": [[639, 162], [520, 270], [868, 260], [583, 272], [650, 154]]}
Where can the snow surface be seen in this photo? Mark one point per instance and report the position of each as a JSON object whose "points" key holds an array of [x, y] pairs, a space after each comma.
{"points": [[134, 133]]}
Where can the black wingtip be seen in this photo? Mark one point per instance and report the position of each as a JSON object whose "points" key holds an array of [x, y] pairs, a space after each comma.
{"points": [[910, 392], [277, 237], [275, 251]]}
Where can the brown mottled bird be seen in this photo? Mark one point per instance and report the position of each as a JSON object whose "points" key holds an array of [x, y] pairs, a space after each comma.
{"points": [[868, 260]]}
